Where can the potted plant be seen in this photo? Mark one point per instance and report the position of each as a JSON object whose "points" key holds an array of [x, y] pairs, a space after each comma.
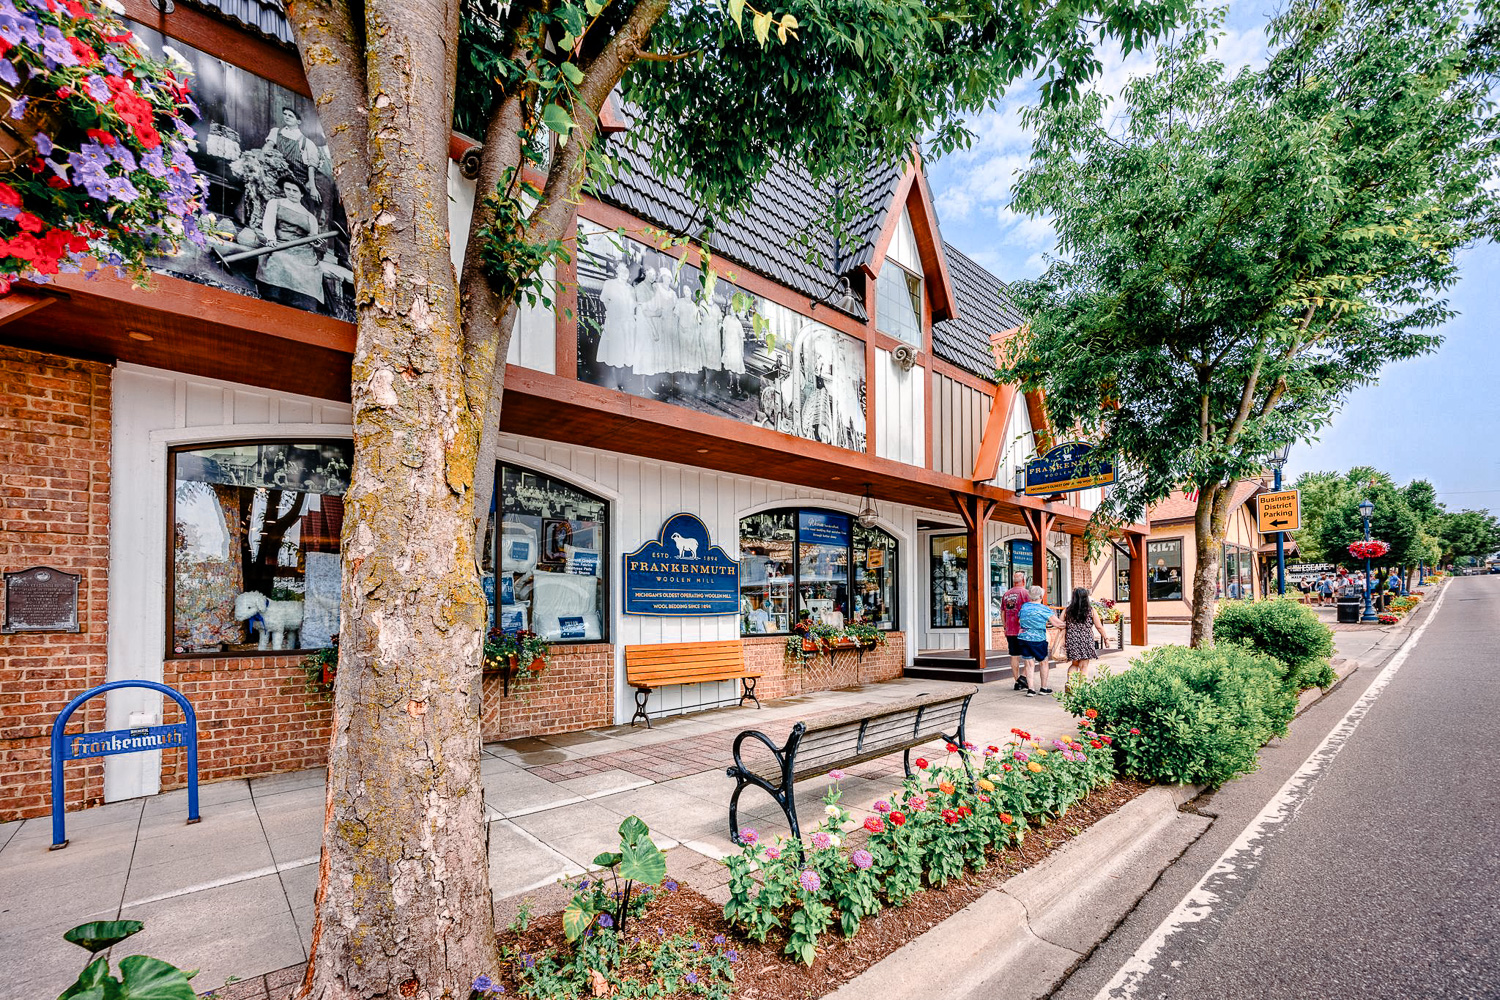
{"points": [[519, 655], [94, 160], [322, 667], [865, 632]]}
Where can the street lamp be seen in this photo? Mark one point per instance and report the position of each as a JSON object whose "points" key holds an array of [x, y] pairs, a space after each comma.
{"points": [[1278, 460], [1366, 508]]}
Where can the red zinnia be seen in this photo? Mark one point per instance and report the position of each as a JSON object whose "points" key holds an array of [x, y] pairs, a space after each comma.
{"points": [[1135, 732], [965, 811], [898, 819], [1006, 766], [952, 748], [1096, 744], [1091, 713], [950, 817], [921, 763]]}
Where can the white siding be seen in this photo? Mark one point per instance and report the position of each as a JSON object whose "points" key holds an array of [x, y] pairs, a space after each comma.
{"points": [[903, 245], [1018, 445], [900, 430], [153, 410]]}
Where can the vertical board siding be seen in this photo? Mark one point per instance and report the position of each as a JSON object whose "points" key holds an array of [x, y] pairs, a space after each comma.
{"points": [[898, 410], [958, 416]]}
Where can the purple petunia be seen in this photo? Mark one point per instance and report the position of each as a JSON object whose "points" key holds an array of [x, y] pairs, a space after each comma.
{"points": [[96, 88], [8, 73], [862, 859], [121, 189], [732, 955], [55, 48], [606, 921], [719, 939], [18, 109], [112, 65], [44, 144], [809, 880]]}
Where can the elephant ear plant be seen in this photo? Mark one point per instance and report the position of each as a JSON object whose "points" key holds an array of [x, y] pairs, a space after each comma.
{"points": [[638, 863], [141, 977]]}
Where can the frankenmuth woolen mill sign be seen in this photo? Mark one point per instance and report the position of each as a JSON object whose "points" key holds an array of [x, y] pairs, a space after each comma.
{"points": [[681, 572]]}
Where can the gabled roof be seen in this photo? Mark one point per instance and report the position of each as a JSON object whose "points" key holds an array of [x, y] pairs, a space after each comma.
{"points": [[984, 309], [1181, 506]]}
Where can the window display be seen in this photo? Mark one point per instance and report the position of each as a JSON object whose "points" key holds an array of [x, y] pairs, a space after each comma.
{"points": [[820, 564], [1164, 570], [950, 581], [1238, 567], [255, 546], [552, 552]]}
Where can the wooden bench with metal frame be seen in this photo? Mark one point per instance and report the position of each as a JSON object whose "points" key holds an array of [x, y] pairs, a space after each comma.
{"points": [[650, 667], [843, 739]]}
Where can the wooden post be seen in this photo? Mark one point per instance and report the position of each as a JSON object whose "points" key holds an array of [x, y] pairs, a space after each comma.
{"points": [[1039, 523], [1137, 546], [976, 512]]}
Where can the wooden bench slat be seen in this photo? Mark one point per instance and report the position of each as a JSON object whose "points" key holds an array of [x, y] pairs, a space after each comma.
{"points": [[662, 664]]}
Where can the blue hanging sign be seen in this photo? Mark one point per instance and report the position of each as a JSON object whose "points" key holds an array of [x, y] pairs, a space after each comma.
{"points": [[681, 573], [83, 745], [1067, 468]]}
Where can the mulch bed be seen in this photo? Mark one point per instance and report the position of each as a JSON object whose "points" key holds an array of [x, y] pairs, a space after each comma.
{"points": [[765, 973]]}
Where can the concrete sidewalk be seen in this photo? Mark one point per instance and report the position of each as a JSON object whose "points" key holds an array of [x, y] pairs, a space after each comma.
{"points": [[233, 895]]}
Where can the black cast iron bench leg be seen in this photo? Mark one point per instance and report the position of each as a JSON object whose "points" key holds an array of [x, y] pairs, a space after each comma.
{"points": [[641, 694], [747, 690]]}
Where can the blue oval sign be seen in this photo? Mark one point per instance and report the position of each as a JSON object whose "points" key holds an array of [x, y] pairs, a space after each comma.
{"points": [[1066, 468]]}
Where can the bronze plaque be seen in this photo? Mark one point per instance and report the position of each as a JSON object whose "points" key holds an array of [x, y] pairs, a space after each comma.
{"points": [[41, 599]]}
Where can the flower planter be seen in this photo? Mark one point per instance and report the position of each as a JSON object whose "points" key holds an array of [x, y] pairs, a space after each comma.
{"points": [[330, 673]]}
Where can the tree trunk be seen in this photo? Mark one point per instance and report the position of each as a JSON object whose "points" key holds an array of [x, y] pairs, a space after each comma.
{"points": [[1210, 520]]}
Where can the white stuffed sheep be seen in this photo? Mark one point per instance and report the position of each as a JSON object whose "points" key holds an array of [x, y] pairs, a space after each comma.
{"points": [[277, 622]]}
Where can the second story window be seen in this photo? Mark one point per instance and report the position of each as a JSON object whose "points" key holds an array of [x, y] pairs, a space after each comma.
{"points": [[898, 303]]}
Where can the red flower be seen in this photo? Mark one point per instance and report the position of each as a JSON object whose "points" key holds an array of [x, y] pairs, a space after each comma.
{"points": [[29, 222], [1107, 740], [983, 797], [965, 811], [875, 824], [1005, 766], [76, 9], [100, 135], [85, 55], [1096, 744], [65, 92], [57, 182], [1091, 713], [993, 749], [950, 817], [9, 195], [1135, 732], [951, 748], [1007, 818], [1023, 734], [898, 819], [921, 763]]}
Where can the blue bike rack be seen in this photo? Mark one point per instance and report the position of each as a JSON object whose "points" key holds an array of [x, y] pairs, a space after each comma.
{"points": [[114, 741]]}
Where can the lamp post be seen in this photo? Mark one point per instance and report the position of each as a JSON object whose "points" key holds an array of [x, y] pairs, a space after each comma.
{"points": [[1366, 508], [1278, 461]]}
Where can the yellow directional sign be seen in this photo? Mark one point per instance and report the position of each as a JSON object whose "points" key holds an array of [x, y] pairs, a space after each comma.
{"points": [[1280, 511]]}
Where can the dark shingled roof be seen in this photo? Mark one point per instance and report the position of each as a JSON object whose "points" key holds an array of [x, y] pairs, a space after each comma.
{"points": [[764, 237], [767, 236], [984, 308], [265, 16]]}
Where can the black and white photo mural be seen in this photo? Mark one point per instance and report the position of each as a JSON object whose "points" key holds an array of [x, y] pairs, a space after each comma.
{"points": [[646, 327], [274, 227]]}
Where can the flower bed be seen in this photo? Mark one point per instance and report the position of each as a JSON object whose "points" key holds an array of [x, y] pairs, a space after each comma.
{"points": [[675, 917]]}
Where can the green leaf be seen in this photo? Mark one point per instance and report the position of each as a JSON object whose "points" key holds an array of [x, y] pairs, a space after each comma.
{"points": [[606, 860], [92, 984], [101, 934], [761, 25], [593, 7], [788, 26], [644, 862], [146, 978], [572, 72], [576, 918], [557, 119], [632, 830]]}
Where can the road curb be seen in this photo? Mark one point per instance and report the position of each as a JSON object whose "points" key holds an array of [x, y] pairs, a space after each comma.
{"points": [[1015, 931]]}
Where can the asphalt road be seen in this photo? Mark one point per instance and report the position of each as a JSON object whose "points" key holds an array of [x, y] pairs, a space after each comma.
{"points": [[1362, 861]]}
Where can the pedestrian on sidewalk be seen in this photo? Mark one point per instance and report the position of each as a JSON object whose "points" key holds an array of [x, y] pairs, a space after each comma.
{"points": [[1035, 619], [1010, 609], [1080, 621], [1325, 590]]}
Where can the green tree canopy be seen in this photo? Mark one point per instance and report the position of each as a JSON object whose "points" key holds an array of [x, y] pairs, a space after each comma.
{"points": [[1469, 534], [1241, 251], [1391, 522]]}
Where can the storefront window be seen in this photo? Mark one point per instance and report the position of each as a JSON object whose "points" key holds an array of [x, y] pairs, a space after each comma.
{"points": [[1238, 568], [817, 564], [950, 581], [1164, 570], [1054, 579], [875, 576], [255, 545], [553, 554], [1122, 573]]}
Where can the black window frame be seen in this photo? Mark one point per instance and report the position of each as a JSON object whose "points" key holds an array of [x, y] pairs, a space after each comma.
{"points": [[796, 561], [169, 613], [932, 624], [606, 555], [1182, 583]]}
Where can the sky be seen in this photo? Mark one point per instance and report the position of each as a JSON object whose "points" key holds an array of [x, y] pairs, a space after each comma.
{"points": [[1427, 418]]}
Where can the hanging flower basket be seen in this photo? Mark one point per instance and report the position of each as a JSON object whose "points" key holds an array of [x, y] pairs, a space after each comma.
{"points": [[1372, 549], [95, 166]]}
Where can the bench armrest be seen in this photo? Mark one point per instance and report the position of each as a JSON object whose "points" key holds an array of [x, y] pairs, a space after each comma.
{"points": [[783, 754]]}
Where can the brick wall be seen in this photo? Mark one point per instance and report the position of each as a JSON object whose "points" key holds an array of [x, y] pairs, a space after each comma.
{"points": [[1078, 562], [575, 691], [256, 715], [54, 511], [782, 675]]}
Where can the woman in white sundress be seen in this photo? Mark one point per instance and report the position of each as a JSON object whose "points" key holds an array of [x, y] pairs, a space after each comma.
{"points": [[618, 299], [732, 349]]}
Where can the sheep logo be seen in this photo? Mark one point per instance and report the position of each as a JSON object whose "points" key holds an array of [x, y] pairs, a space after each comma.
{"points": [[687, 548]]}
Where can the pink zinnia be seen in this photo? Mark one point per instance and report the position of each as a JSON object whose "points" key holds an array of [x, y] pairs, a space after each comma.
{"points": [[748, 835], [881, 806], [820, 840], [836, 775], [917, 804], [875, 824], [862, 859], [809, 880], [774, 853]]}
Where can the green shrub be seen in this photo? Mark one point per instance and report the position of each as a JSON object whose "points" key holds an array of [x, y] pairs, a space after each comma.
{"points": [[1191, 716], [1282, 628]]}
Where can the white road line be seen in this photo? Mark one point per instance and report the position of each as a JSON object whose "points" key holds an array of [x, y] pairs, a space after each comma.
{"points": [[1249, 847]]}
